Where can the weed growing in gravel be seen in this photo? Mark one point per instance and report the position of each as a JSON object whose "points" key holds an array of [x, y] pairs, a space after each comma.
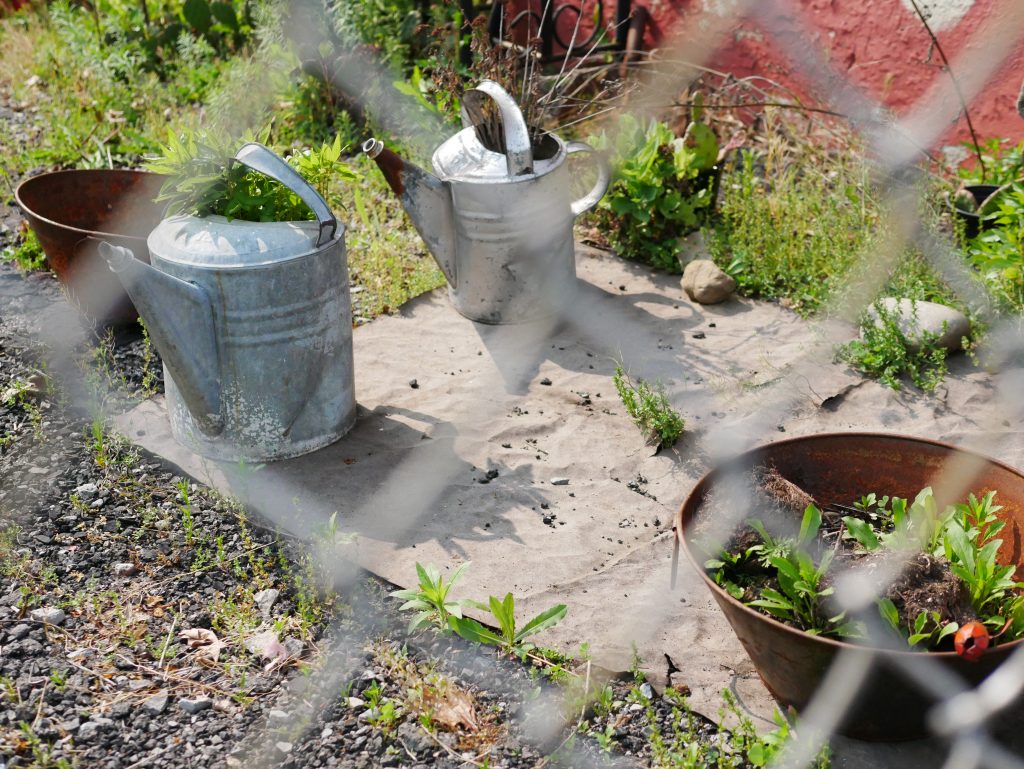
{"points": [[430, 601], [188, 523], [41, 752], [884, 352], [649, 408], [511, 638], [149, 374], [683, 741], [27, 253]]}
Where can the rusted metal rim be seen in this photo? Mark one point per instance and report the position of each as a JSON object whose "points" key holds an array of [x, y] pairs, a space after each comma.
{"points": [[48, 177], [696, 497]]}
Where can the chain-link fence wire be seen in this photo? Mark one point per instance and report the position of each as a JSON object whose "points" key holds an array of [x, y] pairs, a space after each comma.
{"points": [[895, 146]]}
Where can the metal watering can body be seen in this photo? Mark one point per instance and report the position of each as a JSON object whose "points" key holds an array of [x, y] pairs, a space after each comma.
{"points": [[254, 324], [499, 224]]}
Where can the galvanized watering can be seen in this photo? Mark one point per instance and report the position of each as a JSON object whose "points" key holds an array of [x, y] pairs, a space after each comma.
{"points": [[498, 220], [253, 322]]}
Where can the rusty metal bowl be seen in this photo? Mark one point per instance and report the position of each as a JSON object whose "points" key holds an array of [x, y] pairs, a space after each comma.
{"points": [[71, 211], [840, 468]]}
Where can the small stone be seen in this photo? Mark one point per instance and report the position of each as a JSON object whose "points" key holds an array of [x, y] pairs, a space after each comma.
{"points": [[197, 705], [414, 384], [125, 570], [48, 615], [71, 725], [265, 600], [277, 717], [87, 491], [87, 730], [283, 747], [96, 504], [546, 382], [677, 682], [139, 684], [559, 481], [18, 632], [355, 702], [156, 704], [950, 325], [646, 690], [707, 283], [699, 335]]}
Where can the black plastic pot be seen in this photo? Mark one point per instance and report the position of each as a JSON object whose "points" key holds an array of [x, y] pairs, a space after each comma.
{"points": [[841, 467], [973, 223]]}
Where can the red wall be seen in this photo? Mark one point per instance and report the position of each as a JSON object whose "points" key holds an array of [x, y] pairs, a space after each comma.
{"points": [[880, 45]]}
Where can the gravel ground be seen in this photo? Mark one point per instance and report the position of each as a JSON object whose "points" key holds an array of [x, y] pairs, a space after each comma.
{"points": [[144, 620]]}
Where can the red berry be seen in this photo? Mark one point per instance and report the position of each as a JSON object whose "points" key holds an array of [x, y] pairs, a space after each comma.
{"points": [[971, 640]]}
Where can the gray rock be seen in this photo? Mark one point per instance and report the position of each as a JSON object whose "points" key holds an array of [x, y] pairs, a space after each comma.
{"points": [[49, 615], [646, 690], [139, 684], [87, 730], [283, 747], [197, 705], [706, 283], [277, 717], [125, 570], [413, 737], [559, 481], [87, 491], [18, 632], [156, 704], [951, 325], [265, 600]]}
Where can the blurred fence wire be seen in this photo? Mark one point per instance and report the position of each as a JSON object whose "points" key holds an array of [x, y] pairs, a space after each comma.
{"points": [[895, 145]]}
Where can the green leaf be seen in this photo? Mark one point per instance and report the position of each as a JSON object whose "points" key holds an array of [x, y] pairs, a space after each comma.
{"points": [[472, 630], [542, 621], [197, 14], [862, 531], [889, 613], [809, 525], [225, 14]]}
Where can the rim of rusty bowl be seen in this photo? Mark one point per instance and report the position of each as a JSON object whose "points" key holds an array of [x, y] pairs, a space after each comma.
{"points": [[696, 497], [77, 171]]}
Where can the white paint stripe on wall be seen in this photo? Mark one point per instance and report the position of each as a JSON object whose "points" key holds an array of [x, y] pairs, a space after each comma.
{"points": [[942, 14]]}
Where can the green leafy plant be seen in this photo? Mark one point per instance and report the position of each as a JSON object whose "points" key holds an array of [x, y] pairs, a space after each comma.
{"points": [[662, 188], [27, 253], [800, 597], [205, 180], [964, 537], [430, 601], [510, 637], [884, 352], [649, 408]]}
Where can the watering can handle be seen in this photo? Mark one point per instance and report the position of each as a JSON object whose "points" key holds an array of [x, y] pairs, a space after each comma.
{"points": [[590, 200], [518, 150], [261, 159]]}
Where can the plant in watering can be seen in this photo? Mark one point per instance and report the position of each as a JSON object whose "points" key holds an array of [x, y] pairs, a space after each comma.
{"points": [[247, 301]]}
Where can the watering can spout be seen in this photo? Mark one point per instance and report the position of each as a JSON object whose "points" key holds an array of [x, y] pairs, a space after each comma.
{"points": [[179, 318], [426, 199]]}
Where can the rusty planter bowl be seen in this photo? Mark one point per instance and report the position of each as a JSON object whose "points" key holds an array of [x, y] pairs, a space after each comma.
{"points": [[841, 467], [71, 211]]}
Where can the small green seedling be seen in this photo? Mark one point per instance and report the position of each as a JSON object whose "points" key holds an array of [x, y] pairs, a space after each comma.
{"points": [[431, 602], [510, 638], [660, 424]]}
